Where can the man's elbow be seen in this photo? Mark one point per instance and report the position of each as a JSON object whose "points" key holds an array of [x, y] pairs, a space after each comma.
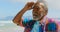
{"points": [[14, 21]]}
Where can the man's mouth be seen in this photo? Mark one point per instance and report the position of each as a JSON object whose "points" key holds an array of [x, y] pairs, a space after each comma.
{"points": [[37, 16]]}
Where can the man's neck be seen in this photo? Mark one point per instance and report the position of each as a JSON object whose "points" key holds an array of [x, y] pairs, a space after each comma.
{"points": [[43, 19]]}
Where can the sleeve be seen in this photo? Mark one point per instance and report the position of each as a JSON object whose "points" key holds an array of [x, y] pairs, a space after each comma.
{"points": [[58, 24], [51, 27], [26, 20]]}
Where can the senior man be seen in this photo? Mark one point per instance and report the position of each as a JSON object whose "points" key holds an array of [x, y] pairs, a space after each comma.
{"points": [[39, 22]]}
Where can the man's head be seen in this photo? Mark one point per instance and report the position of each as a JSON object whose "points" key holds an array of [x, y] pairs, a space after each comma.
{"points": [[39, 11]]}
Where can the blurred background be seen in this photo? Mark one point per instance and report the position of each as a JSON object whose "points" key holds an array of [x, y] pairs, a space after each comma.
{"points": [[9, 8]]}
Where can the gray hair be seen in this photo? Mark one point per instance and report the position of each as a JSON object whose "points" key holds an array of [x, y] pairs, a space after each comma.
{"points": [[43, 3], [45, 8]]}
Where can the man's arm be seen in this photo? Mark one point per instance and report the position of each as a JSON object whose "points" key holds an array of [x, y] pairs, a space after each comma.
{"points": [[18, 17]]}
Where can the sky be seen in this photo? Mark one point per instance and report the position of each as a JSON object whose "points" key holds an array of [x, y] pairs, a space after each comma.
{"points": [[12, 7]]}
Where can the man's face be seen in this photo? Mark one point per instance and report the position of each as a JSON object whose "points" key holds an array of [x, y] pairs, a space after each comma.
{"points": [[38, 12]]}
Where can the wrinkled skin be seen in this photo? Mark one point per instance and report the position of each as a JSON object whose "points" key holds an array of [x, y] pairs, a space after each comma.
{"points": [[38, 12]]}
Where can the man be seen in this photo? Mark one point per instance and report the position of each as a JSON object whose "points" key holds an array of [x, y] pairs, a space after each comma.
{"points": [[39, 23]]}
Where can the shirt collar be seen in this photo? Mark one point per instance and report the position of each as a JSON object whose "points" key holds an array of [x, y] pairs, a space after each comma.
{"points": [[44, 19]]}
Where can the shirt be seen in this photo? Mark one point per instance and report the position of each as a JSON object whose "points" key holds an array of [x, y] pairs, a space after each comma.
{"points": [[34, 26]]}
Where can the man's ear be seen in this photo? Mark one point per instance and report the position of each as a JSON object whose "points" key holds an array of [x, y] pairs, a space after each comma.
{"points": [[45, 14]]}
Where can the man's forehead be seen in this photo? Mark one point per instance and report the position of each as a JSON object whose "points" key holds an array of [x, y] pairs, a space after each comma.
{"points": [[40, 4]]}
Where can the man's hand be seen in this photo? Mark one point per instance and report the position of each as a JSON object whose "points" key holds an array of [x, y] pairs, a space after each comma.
{"points": [[29, 5]]}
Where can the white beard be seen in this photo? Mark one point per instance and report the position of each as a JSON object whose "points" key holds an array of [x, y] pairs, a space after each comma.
{"points": [[37, 18]]}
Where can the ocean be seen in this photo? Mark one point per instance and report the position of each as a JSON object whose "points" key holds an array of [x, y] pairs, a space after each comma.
{"points": [[9, 26]]}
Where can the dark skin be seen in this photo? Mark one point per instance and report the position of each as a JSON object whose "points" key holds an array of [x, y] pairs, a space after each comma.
{"points": [[18, 17], [37, 11]]}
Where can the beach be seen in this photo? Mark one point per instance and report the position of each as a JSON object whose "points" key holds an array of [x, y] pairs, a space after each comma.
{"points": [[8, 26]]}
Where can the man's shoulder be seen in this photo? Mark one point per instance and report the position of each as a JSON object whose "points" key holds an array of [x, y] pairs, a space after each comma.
{"points": [[56, 21], [53, 20]]}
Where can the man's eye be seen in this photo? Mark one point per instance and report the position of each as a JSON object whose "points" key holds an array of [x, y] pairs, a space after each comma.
{"points": [[38, 7]]}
